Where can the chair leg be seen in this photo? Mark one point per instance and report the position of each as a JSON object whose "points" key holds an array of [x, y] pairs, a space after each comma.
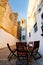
{"points": [[35, 58], [9, 55], [27, 58], [14, 55], [39, 55]]}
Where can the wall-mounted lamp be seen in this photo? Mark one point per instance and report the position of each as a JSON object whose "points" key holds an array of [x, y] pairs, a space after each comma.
{"points": [[22, 24]]}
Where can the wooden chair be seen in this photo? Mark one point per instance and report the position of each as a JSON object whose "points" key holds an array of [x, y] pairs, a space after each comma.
{"points": [[36, 54], [33, 49], [22, 51], [30, 48], [12, 52]]}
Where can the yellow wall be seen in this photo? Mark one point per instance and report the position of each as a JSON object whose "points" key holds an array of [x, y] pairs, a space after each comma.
{"points": [[2, 11], [8, 19], [14, 31]]}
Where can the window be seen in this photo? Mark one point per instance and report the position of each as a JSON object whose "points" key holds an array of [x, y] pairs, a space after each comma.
{"points": [[39, 9], [29, 34], [42, 29], [23, 37], [35, 27], [42, 16]]}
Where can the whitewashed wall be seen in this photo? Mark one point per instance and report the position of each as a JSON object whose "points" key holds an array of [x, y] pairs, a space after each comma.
{"points": [[6, 38], [37, 36]]}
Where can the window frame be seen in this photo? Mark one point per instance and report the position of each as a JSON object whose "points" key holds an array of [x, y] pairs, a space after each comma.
{"points": [[35, 28]]}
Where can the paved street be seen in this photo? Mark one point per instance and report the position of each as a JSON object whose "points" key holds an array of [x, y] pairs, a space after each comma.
{"points": [[4, 61]]}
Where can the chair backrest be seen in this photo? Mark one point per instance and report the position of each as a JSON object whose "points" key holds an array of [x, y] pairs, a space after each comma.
{"points": [[36, 44], [21, 46], [9, 47], [31, 43]]}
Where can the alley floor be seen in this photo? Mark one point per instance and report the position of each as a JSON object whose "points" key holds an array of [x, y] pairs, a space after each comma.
{"points": [[4, 60]]}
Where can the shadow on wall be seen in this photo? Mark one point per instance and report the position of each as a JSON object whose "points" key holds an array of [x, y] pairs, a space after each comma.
{"points": [[6, 38]]}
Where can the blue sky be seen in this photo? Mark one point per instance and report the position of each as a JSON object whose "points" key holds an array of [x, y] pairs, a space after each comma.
{"points": [[19, 6]]}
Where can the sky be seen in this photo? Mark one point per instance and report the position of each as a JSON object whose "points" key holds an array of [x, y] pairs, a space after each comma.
{"points": [[19, 6]]}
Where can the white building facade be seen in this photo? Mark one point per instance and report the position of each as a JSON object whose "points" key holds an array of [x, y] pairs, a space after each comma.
{"points": [[31, 15], [36, 31]]}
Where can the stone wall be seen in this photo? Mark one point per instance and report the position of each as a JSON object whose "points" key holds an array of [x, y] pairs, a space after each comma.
{"points": [[8, 19]]}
